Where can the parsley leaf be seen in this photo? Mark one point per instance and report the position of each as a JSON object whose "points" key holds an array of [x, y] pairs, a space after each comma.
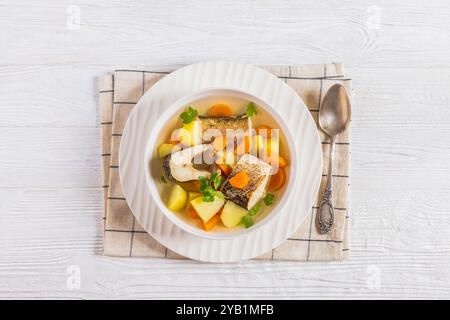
{"points": [[216, 180], [163, 179], [204, 183], [247, 221], [208, 195], [189, 115], [268, 199], [251, 110], [208, 192], [255, 209]]}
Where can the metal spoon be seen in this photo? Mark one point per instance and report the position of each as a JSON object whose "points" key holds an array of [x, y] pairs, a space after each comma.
{"points": [[334, 118]]}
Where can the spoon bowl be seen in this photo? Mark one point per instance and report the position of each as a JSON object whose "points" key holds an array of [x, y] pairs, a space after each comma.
{"points": [[335, 111]]}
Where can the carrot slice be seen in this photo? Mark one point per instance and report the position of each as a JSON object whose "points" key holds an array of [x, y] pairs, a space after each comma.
{"points": [[264, 129], [226, 169], [281, 162], [192, 213], [240, 180], [277, 180], [196, 184], [220, 110], [211, 222]]}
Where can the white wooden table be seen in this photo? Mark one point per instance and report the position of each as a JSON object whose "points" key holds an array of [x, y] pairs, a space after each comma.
{"points": [[50, 196]]}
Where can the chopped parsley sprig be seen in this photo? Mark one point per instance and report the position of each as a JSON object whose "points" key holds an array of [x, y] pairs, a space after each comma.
{"points": [[209, 187], [255, 209], [189, 115], [216, 180], [247, 220], [251, 109], [268, 199]]}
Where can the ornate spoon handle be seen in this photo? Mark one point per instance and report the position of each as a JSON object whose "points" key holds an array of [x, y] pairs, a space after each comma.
{"points": [[325, 215]]}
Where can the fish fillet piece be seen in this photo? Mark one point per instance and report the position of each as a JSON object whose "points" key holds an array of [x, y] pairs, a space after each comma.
{"points": [[258, 172], [222, 123], [179, 166]]}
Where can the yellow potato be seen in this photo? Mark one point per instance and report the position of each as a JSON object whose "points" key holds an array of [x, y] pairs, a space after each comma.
{"points": [[177, 198], [183, 136], [206, 210], [166, 149], [193, 195], [232, 214], [193, 130]]}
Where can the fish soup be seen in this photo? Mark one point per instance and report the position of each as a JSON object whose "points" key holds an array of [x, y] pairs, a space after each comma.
{"points": [[222, 164]]}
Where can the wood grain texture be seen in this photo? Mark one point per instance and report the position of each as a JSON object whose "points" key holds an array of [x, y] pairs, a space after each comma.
{"points": [[50, 169], [177, 32]]}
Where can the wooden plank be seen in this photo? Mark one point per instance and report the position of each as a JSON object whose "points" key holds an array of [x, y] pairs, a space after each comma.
{"points": [[113, 33], [50, 168], [50, 157]]}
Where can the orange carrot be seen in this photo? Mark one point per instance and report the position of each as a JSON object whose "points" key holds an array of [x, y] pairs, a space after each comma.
{"points": [[277, 180], [220, 110], [281, 162], [192, 213], [226, 169], [264, 129], [211, 222], [196, 184], [240, 180]]}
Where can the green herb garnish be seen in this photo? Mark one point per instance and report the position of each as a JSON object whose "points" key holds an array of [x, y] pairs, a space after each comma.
{"points": [[208, 195], [255, 209], [204, 183], [268, 199], [208, 191], [216, 180], [247, 221], [163, 179], [189, 115], [251, 110]]}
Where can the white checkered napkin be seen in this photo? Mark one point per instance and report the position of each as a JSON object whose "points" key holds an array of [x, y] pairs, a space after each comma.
{"points": [[124, 237]]}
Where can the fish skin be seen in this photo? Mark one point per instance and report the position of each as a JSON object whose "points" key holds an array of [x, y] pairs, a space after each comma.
{"points": [[166, 167], [258, 174], [222, 123]]}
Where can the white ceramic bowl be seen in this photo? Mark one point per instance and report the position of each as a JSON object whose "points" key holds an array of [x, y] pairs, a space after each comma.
{"points": [[297, 202], [167, 123]]}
